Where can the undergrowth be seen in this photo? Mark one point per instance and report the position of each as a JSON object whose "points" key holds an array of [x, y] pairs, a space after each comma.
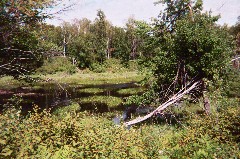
{"points": [[56, 64], [68, 134], [114, 65]]}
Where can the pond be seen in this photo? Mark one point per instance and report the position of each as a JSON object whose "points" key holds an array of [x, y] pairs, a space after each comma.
{"points": [[98, 98]]}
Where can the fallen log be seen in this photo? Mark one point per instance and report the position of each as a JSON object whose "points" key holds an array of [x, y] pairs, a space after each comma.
{"points": [[169, 102], [235, 59]]}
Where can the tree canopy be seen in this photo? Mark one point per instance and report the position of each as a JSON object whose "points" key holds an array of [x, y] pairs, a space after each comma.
{"points": [[185, 44], [19, 50]]}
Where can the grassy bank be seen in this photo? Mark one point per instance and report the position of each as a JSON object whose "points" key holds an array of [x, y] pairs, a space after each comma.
{"points": [[79, 78], [95, 78]]}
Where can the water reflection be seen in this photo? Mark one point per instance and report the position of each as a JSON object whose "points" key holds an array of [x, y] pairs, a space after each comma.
{"points": [[57, 95]]}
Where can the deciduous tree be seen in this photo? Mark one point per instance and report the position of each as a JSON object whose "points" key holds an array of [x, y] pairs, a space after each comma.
{"points": [[189, 45], [18, 48]]}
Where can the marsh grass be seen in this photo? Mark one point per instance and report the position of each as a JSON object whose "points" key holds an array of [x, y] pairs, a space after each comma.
{"points": [[61, 112], [131, 91], [91, 90], [80, 78], [95, 78], [110, 101], [9, 82]]}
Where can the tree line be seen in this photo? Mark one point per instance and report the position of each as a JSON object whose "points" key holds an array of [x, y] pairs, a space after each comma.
{"points": [[87, 42]]}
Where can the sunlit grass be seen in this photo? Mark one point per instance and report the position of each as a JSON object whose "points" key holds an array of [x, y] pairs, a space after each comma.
{"points": [[109, 100], [63, 111], [91, 90], [95, 78], [79, 78], [9, 82], [131, 91]]}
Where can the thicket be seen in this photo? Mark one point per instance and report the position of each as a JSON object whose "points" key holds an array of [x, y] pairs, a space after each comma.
{"points": [[68, 134], [56, 64], [185, 45], [19, 50], [114, 65]]}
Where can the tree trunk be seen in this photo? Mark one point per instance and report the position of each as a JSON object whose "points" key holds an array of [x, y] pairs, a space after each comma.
{"points": [[206, 101], [108, 50], [64, 46]]}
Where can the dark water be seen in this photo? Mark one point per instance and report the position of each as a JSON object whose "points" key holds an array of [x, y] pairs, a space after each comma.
{"points": [[60, 95], [57, 95]]}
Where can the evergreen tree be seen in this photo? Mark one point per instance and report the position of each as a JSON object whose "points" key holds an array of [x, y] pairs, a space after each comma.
{"points": [[100, 33]]}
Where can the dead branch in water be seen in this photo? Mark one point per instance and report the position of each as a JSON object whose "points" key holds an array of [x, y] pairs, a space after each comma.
{"points": [[171, 101]]}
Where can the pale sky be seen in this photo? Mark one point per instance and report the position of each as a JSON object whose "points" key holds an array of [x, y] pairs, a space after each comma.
{"points": [[118, 11]]}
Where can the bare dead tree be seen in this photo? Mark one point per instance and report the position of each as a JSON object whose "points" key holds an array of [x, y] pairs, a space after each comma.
{"points": [[187, 89]]}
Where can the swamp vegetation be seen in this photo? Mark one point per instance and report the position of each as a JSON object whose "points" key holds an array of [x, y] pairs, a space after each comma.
{"points": [[80, 124], [68, 92]]}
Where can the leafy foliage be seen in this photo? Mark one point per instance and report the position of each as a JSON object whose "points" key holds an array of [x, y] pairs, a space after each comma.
{"points": [[91, 43], [76, 136], [56, 64], [68, 134], [185, 44], [111, 65], [18, 48]]}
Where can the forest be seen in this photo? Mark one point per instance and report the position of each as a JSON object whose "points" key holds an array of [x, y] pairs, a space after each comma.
{"points": [[169, 88]]}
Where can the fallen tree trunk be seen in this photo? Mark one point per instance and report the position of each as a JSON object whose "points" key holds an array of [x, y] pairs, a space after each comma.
{"points": [[171, 101]]}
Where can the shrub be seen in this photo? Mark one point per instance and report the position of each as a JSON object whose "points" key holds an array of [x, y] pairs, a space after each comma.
{"points": [[56, 64], [113, 65], [41, 135], [98, 68], [83, 135], [214, 136], [233, 89]]}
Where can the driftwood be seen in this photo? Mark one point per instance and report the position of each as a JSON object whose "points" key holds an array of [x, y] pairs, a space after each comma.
{"points": [[171, 101]]}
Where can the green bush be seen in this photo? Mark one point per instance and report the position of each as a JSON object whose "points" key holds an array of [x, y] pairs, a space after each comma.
{"points": [[208, 137], [113, 65], [41, 135], [98, 68], [133, 65], [233, 89], [56, 64]]}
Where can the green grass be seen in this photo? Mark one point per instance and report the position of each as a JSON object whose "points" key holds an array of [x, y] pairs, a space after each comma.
{"points": [[79, 78], [63, 111], [8, 83], [131, 91], [108, 100], [91, 90], [95, 78]]}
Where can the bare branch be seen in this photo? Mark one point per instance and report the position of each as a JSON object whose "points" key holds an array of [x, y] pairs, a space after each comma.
{"points": [[171, 101], [235, 59]]}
